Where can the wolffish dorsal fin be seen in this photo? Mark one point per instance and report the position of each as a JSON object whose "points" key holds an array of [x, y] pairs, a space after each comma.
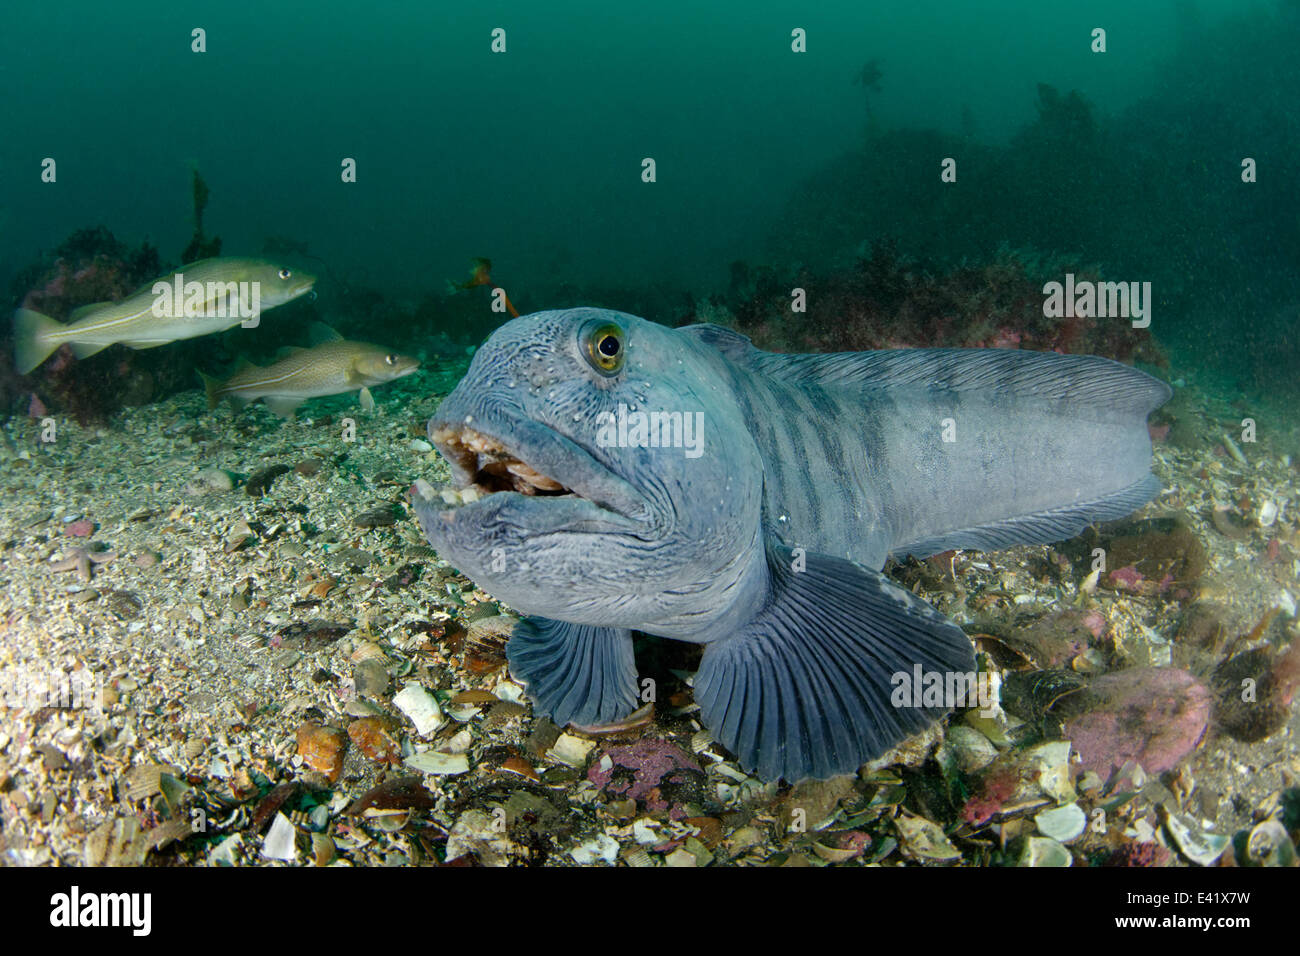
{"points": [[1087, 379], [733, 345]]}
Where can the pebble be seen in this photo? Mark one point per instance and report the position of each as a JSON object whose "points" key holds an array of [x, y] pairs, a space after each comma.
{"points": [[309, 467], [322, 749], [259, 483], [376, 737], [371, 678], [380, 516], [209, 481]]}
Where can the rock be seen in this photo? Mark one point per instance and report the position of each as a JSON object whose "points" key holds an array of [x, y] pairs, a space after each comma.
{"points": [[381, 516], [653, 772], [209, 481], [1254, 692], [259, 483], [971, 748], [811, 804], [322, 749], [1056, 639], [482, 834], [1157, 556], [371, 678], [376, 737], [1152, 716], [403, 793], [308, 467]]}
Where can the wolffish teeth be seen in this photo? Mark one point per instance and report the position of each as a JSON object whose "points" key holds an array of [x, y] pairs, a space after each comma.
{"points": [[459, 496]]}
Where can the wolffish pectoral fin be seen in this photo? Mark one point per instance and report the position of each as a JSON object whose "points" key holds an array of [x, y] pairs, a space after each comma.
{"points": [[806, 688], [576, 674]]}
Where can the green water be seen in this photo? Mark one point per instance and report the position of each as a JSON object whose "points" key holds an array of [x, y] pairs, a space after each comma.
{"points": [[1129, 159]]}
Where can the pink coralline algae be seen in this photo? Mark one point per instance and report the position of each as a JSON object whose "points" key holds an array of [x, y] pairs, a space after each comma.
{"points": [[83, 528], [639, 770], [1154, 716], [1125, 579]]}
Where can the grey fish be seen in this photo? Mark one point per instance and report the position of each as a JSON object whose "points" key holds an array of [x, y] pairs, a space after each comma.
{"points": [[766, 546]]}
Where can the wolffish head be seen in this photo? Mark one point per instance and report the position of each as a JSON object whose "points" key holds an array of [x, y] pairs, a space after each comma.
{"points": [[601, 472]]}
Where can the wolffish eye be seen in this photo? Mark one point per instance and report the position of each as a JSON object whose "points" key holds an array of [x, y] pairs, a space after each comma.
{"points": [[604, 345], [285, 274], [390, 359]]}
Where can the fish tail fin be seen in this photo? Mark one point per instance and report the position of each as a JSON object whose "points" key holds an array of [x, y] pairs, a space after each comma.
{"points": [[212, 388], [35, 337]]}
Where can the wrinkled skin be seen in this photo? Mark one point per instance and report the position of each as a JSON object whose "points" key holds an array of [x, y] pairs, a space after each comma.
{"points": [[656, 541]]}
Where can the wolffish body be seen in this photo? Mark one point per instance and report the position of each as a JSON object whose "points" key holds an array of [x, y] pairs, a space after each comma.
{"points": [[766, 545]]}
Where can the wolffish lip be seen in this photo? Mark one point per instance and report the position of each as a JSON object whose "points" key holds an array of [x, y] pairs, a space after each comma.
{"points": [[535, 461]]}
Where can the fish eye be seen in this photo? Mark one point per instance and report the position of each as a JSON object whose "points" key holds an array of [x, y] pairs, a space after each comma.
{"points": [[605, 349], [390, 359], [285, 273]]}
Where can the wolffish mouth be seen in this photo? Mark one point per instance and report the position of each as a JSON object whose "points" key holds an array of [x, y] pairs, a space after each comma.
{"points": [[491, 467]]}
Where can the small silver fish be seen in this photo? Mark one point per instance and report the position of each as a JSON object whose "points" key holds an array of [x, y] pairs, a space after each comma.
{"points": [[207, 296], [330, 368]]}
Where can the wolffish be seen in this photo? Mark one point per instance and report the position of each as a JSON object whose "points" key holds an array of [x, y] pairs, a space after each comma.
{"points": [[766, 544]]}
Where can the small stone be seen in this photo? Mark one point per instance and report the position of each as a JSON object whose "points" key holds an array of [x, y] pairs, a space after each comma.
{"points": [[376, 738], [1152, 716], [322, 749], [308, 467], [380, 516], [972, 749], [477, 832], [209, 481], [259, 483], [371, 678]]}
